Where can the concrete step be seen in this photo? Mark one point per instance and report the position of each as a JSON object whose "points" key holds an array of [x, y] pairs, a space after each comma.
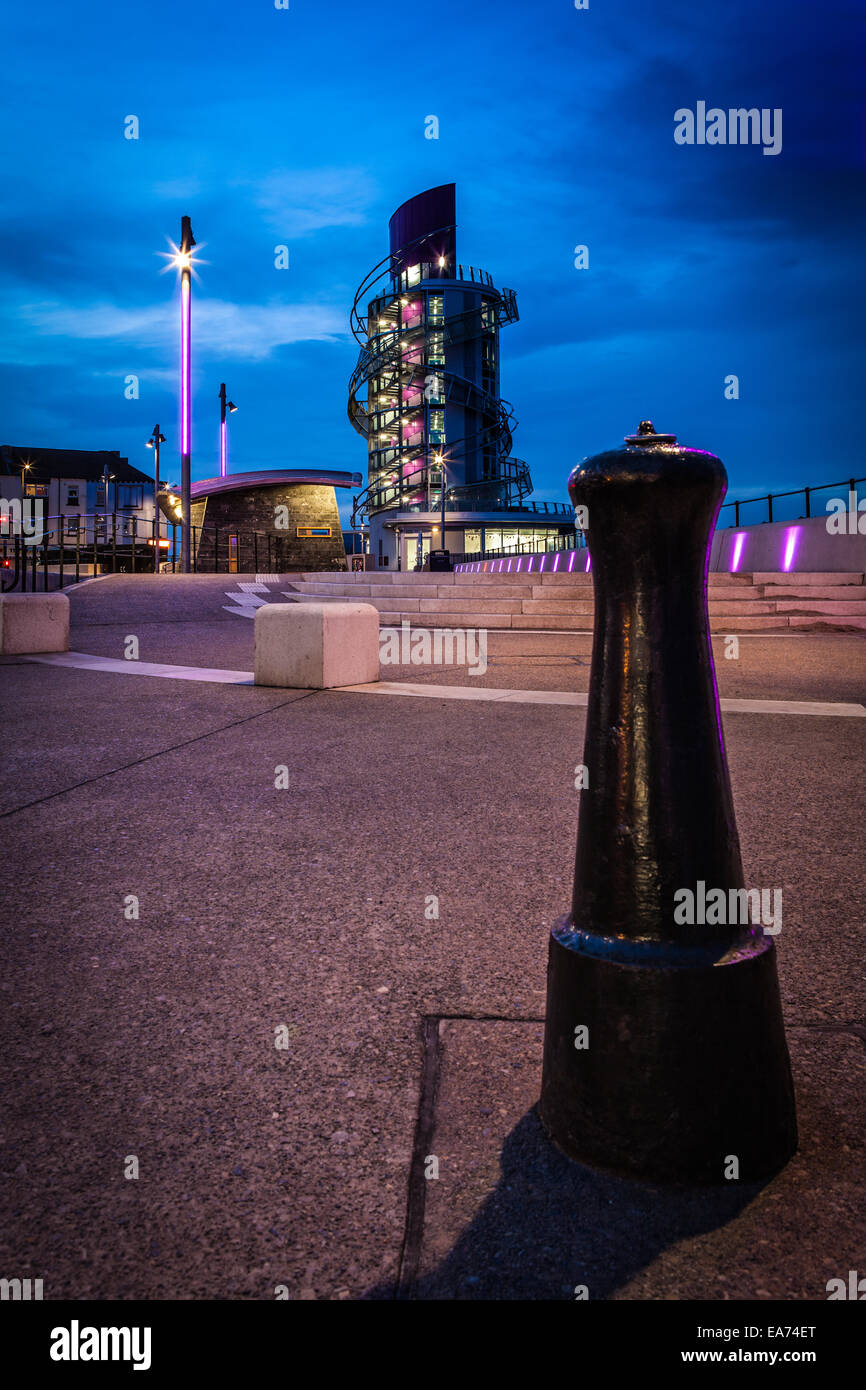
{"points": [[813, 591], [565, 606], [470, 605], [855, 608], [816, 623], [722, 606], [778, 577]]}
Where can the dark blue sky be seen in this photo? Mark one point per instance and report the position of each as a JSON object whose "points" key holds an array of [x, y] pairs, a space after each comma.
{"points": [[306, 127]]}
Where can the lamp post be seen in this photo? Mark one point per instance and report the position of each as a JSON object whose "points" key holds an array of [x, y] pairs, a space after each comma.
{"points": [[441, 462], [231, 408], [153, 443], [184, 262]]}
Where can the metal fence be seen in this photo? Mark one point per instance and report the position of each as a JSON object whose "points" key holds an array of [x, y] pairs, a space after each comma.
{"points": [[772, 499], [70, 549]]}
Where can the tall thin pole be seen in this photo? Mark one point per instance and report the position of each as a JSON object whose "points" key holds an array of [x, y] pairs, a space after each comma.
{"points": [[223, 462], [187, 242], [442, 479], [156, 438]]}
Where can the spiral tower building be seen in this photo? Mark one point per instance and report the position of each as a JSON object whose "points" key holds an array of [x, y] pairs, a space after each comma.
{"points": [[432, 415]]}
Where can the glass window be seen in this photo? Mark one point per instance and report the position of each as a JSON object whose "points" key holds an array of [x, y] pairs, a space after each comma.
{"points": [[492, 539], [509, 540], [413, 275], [437, 426], [471, 542]]}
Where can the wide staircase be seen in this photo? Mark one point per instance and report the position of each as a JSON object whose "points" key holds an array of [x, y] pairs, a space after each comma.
{"points": [[550, 602]]}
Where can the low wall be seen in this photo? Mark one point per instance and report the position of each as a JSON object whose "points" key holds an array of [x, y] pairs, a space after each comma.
{"points": [[796, 546]]}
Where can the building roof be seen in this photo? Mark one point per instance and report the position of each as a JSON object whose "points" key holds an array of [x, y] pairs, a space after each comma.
{"points": [[68, 463], [274, 477]]}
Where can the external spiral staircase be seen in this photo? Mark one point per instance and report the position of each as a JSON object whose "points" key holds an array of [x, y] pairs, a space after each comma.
{"points": [[383, 357]]}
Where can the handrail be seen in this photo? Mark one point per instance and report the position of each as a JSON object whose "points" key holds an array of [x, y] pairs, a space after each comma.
{"points": [[771, 497], [97, 546]]}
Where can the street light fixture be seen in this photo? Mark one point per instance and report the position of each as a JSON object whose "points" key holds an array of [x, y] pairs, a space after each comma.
{"points": [[440, 459], [181, 259], [224, 406], [153, 443]]}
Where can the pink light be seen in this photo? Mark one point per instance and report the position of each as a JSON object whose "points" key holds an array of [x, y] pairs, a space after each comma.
{"points": [[588, 566], [556, 560], [792, 535], [184, 362], [541, 566], [509, 567], [571, 561], [739, 542], [501, 563], [519, 563], [529, 566]]}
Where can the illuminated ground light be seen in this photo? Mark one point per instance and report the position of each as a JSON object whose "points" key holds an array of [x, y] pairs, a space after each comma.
{"points": [[792, 536], [739, 543], [588, 566], [571, 559]]}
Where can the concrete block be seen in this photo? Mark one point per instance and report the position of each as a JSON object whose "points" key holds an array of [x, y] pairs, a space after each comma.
{"points": [[33, 623], [316, 646]]}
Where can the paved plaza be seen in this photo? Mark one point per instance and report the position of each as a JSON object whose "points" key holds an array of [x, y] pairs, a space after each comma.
{"points": [[281, 947]]}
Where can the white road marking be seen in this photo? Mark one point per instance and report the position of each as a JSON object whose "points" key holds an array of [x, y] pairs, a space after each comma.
{"points": [[86, 662], [580, 698], [496, 695], [247, 600]]}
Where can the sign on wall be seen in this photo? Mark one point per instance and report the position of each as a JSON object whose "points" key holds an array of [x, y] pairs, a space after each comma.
{"points": [[310, 532]]}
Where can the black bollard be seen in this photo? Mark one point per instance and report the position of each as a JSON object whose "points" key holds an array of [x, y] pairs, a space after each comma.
{"points": [[664, 1054]]}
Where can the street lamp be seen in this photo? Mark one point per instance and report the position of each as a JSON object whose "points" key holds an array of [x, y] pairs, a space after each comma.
{"points": [[153, 443], [441, 462], [224, 406], [182, 260]]}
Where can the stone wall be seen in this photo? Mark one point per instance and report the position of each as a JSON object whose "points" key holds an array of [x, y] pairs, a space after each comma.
{"points": [[254, 509]]}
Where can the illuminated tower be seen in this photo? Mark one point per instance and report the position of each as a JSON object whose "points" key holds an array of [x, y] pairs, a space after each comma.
{"points": [[433, 415]]}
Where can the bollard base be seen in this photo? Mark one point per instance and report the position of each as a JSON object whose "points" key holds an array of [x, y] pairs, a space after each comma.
{"points": [[685, 1066]]}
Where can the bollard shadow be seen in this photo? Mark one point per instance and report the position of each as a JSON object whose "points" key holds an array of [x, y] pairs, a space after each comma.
{"points": [[552, 1224]]}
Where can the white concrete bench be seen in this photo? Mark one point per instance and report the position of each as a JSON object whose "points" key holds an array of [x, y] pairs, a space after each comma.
{"points": [[316, 646], [33, 623]]}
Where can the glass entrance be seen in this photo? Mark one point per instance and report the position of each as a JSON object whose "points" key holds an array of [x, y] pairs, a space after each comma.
{"points": [[411, 552]]}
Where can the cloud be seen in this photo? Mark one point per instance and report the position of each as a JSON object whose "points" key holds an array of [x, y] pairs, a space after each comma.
{"points": [[298, 202], [222, 328]]}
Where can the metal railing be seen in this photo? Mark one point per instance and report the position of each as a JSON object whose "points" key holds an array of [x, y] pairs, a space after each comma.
{"points": [[807, 493], [62, 555], [562, 544]]}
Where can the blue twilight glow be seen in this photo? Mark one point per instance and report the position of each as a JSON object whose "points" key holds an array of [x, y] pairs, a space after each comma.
{"points": [[286, 138]]}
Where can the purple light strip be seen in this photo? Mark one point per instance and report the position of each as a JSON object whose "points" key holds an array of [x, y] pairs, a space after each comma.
{"points": [[739, 542], [571, 561], [223, 468], [184, 362], [588, 566], [556, 559], [792, 536]]}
